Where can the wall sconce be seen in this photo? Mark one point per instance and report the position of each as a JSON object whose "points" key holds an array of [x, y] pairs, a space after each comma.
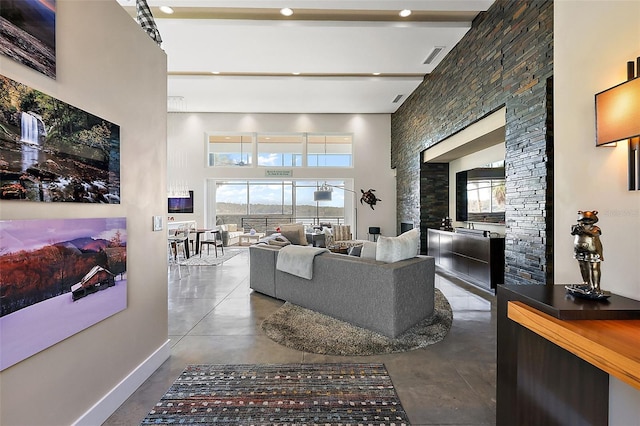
{"points": [[618, 118]]}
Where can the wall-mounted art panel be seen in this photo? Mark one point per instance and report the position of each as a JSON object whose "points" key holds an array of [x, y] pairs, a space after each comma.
{"points": [[28, 33], [58, 277], [54, 152]]}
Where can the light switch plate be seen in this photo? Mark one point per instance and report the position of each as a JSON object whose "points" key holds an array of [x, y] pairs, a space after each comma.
{"points": [[157, 223]]}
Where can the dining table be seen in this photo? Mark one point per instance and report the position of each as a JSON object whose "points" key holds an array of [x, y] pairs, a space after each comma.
{"points": [[200, 231]]}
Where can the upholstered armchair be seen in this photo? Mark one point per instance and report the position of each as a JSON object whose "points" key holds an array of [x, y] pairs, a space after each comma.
{"points": [[230, 234], [338, 234], [342, 232]]}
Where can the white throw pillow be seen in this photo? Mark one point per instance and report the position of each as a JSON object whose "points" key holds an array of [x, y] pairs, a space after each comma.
{"points": [[368, 250], [393, 249]]}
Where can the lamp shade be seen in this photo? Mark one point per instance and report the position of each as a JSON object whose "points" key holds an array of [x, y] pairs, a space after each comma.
{"points": [[321, 195], [618, 113]]}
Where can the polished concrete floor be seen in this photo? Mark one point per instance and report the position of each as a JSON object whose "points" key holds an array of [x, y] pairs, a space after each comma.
{"points": [[214, 318]]}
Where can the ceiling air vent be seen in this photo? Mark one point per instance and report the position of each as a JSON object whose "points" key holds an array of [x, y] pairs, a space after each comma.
{"points": [[397, 99], [432, 56]]}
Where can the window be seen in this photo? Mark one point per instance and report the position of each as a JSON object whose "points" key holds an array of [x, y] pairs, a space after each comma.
{"points": [[231, 198], [280, 150], [486, 196], [329, 150], [230, 150], [325, 211], [271, 197]]}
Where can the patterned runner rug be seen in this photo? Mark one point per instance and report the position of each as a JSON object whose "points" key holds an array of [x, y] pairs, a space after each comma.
{"points": [[281, 394]]}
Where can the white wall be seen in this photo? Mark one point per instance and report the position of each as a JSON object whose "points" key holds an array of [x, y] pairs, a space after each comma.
{"points": [[372, 149], [107, 66], [593, 41]]}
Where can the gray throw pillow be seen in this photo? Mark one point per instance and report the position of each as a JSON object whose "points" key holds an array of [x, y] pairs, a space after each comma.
{"points": [[354, 251], [280, 241]]}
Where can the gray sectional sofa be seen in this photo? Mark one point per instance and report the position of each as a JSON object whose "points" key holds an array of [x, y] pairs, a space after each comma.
{"points": [[387, 298]]}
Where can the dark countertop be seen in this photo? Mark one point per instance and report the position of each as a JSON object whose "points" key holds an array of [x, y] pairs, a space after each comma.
{"points": [[555, 301]]}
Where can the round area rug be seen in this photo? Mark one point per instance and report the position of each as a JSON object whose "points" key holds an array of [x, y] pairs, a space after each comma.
{"points": [[309, 331]]}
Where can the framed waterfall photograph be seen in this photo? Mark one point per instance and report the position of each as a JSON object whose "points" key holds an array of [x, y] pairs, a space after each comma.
{"points": [[51, 151]]}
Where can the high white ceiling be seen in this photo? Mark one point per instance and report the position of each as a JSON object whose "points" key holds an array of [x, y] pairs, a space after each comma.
{"points": [[336, 46]]}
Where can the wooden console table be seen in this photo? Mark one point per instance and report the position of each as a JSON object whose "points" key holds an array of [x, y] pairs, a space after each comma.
{"points": [[555, 354]]}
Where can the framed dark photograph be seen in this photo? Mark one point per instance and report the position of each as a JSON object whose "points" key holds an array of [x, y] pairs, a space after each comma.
{"points": [[28, 33], [181, 204]]}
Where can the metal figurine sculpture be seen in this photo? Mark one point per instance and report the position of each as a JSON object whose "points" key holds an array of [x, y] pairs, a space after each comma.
{"points": [[587, 249], [369, 198]]}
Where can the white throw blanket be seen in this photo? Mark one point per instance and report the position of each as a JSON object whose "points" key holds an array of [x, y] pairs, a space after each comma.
{"points": [[298, 260]]}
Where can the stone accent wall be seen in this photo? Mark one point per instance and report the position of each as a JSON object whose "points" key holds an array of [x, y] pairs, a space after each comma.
{"points": [[434, 198], [506, 59]]}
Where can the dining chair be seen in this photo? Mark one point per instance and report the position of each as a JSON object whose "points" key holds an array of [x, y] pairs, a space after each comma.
{"points": [[190, 228], [215, 240], [178, 238]]}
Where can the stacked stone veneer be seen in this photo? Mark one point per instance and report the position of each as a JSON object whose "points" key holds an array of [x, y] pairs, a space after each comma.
{"points": [[506, 59]]}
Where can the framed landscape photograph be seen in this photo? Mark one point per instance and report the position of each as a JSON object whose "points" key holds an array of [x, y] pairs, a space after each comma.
{"points": [[51, 151], [58, 277]]}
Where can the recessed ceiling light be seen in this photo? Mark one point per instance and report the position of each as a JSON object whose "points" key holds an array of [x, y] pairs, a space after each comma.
{"points": [[376, 73], [215, 72], [166, 9], [405, 12], [295, 73], [285, 11]]}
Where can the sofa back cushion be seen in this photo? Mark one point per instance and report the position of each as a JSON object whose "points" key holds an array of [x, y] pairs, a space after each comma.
{"points": [[294, 232], [231, 227], [393, 249]]}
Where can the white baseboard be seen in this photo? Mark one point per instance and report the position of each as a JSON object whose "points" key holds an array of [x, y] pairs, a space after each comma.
{"points": [[109, 403]]}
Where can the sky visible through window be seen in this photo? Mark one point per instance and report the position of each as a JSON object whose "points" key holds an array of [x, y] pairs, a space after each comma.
{"points": [[272, 193]]}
